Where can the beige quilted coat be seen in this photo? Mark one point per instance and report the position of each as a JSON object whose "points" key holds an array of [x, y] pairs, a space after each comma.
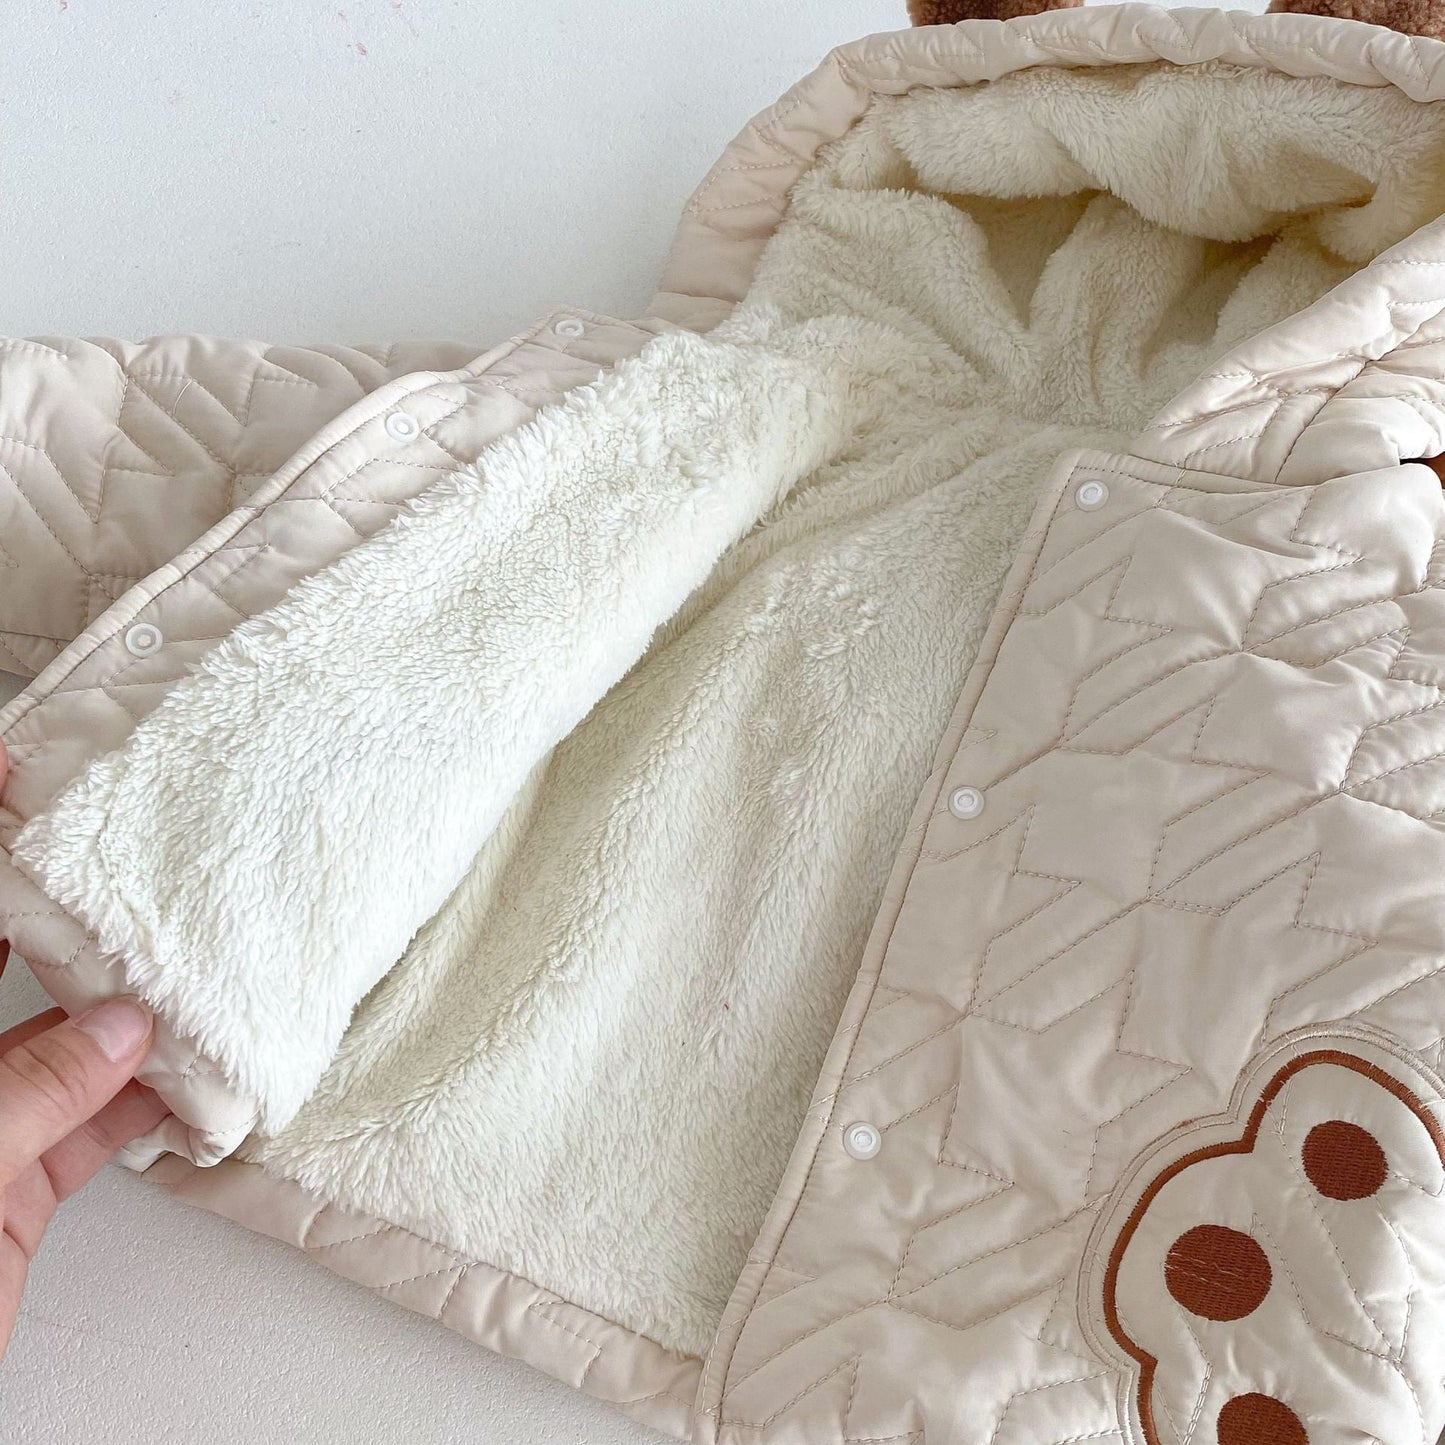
{"points": [[858, 859]]}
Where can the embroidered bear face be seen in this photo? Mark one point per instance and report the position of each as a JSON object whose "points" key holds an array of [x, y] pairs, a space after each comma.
{"points": [[1279, 1278]]}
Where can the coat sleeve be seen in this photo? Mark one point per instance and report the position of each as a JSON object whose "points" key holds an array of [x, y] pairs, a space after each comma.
{"points": [[115, 456]]}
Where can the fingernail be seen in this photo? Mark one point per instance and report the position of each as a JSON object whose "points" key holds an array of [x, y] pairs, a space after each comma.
{"points": [[119, 1025]]}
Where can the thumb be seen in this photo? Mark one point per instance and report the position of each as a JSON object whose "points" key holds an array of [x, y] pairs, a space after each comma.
{"points": [[52, 1083]]}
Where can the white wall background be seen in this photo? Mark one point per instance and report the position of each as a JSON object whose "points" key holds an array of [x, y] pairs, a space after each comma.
{"points": [[357, 170], [350, 170]]}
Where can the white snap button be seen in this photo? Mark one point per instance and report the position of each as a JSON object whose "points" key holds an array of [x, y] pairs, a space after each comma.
{"points": [[569, 326], [965, 803], [403, 426], [862, 1141], [1091, 495], [144, 640]]}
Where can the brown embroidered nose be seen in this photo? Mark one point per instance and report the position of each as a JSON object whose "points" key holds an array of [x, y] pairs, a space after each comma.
{"points": [[1217, 1273], [1344, 1161], [1260, 1420]]}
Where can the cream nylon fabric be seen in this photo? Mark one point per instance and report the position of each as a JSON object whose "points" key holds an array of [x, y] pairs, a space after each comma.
{"points": [[115, 457], [497, 1310], [814, 1412], [1178, 862]]}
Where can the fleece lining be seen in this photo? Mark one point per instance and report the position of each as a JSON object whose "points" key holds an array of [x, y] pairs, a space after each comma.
{"points": [[611, 740], [502, 606]]}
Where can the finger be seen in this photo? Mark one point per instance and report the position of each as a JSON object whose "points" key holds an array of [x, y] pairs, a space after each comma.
{"points": [[51, 1084], [30, 1204], [130, 1114], [14, 1265], [76, 1158], [27, 1030], [32, 1197], [4, 773]]}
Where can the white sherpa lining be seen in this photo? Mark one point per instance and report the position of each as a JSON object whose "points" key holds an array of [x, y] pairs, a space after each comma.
{"points": [[496, 613], [641, 898]]}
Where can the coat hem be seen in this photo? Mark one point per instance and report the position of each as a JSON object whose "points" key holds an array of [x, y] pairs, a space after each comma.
{"points": [[491, 1307]]}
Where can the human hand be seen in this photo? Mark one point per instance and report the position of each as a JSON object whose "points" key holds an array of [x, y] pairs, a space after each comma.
{"points": [[67, 1103]]}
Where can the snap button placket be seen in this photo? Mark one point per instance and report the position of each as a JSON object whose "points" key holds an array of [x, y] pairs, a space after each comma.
{"points": [[1089, 496], [966, 803], [145, 639], [402, 426], [570, 327], [862, 1140]]}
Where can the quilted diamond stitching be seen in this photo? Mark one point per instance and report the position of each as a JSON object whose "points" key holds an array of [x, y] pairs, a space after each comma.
{"points": [[1353, 943], [446, 1264], [206, 473]]}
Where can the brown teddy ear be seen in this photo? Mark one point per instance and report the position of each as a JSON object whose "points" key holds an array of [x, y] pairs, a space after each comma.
{"points": [[1410, 17], [949, 12]]}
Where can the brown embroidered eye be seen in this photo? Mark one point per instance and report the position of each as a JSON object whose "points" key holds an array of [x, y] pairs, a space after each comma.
{"points": [[1260, 1420], [1217, 1273], [1344, 1161]]}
